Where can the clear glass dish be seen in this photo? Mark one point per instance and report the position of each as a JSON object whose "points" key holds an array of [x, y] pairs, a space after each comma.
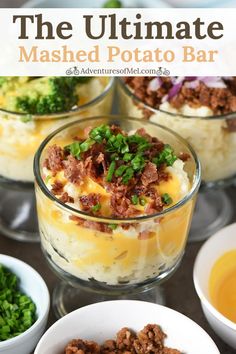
{"points": [[215, 146], [20, 137], [119, 262]]}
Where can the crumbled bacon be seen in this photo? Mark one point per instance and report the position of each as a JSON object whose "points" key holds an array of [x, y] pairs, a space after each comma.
{"points": [[65, 198], [57, 188], [122, 207], [184, 156], [74, 169], [219, 100], [79, 346], [148, 341], [54, 160], [150, 174], [89, 200]]}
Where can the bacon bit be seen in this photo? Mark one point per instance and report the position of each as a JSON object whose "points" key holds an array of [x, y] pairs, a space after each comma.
{"points": [[142, 132], [150, 174], [220, 100], [101, 160], [87, 130], [79, 346], [88, 201], [122, 207], [231, 125], [74, 170], [94, 225], [57, 188], [117, 130], [145, 235], [54, 161], [184, 156], [65, 198]]}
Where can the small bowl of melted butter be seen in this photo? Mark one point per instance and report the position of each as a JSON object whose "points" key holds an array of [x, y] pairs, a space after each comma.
{"points": [[215, 282]]}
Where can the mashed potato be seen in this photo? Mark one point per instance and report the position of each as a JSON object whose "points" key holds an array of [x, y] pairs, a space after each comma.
{"points": [[213, 143], [19, 140]]}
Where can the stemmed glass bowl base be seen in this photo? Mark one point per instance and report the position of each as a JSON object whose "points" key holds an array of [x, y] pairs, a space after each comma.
{"points": [[18, 217], [213, 211], [67, 298]]}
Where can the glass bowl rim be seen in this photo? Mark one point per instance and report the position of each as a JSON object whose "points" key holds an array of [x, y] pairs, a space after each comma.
{"points": [[63, 206], [128, 91], [64, 114]]}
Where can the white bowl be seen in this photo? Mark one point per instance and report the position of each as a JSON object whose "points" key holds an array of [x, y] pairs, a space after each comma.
{"points": [[223, 241], [92, 3], [103, 320], [32, 284]]}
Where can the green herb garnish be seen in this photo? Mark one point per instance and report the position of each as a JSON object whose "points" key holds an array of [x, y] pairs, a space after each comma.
{"points": [[166, 156], [100, 133], [127, 175], [111, 171], [96, 208], [47, 179], [26, 118], [166, 199], [113, 226], [142, 201], [77, 147], [112, 4], [17, 311], [138, 162], [120, 170], [134, 199]]}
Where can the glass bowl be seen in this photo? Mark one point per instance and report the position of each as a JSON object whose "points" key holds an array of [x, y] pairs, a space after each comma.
{"points": [[124, 260], [20, 137], [215, 144]]}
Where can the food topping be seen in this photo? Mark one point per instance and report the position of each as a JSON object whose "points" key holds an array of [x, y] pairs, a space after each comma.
{"points": [[111, 172], [149, 340], [217, 93], [40, 95], [17, 311]]}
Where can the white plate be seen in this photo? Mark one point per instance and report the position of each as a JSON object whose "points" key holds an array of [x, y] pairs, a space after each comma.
{"points": [[103, 320]]}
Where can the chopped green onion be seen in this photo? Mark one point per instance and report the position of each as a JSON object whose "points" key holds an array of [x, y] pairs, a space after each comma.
{"points": [[111, 171], [113, 226], [127, 175], [74, 149], [134, 199], [96, 207], [166, 199], [120, 170], [142, 201], [17, 311], [77, 148], [100, 133], [47, 179], [127, 156], [85, 145], [166, 156], [138, 162]]}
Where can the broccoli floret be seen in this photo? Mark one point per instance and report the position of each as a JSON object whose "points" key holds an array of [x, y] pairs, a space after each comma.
{"points": [[8, 83], [58, 96], [113, 4]]}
